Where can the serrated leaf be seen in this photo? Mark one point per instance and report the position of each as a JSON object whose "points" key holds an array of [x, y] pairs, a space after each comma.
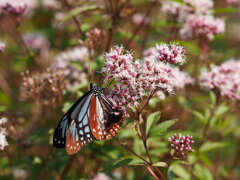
{"points": [[162, 128], [209, 146], [160, 164], [151, 120]]}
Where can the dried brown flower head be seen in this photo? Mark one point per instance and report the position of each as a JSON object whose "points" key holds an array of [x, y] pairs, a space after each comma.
{"points": [[95, 38], [44, 88]]}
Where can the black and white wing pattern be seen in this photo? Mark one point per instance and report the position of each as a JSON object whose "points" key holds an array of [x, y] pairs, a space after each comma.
{"points": [[59, 137]]}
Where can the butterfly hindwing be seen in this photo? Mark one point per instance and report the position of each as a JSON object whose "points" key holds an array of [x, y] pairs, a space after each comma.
{"points": [[105, 121]]}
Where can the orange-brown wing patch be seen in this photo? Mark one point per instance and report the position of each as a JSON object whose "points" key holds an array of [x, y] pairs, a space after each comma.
{"points": [[111, 131], [94, 119], [72, 145]]}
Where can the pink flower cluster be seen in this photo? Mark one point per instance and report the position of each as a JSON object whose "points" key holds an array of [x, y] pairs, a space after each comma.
{"points": [[140, 19], [187, 7], [3, 141], [200, 6], [2, 46], [197, 18], [225, 78], [36, 42], [181, 145], [173, 8], [15, 7], [202, 26], [171, 54], [139, 78]]}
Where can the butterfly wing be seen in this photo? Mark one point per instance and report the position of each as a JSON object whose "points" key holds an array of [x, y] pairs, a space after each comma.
{"points": [[59, 137], [79, 132], [91, 117], [105, 121]]}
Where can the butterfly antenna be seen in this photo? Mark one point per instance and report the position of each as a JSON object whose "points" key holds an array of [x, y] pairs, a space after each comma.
{"points": [[89, 69]]}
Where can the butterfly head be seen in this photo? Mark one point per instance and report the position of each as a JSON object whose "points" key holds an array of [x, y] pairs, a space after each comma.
{"points": [[96, 90]]}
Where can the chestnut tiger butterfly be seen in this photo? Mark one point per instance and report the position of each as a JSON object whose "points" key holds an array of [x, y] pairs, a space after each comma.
{"points": [[92, 117]]}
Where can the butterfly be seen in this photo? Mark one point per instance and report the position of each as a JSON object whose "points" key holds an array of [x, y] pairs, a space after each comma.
{"points": [[92, 117]]}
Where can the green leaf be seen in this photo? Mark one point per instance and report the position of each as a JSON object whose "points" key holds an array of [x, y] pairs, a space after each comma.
{"points": [[162, 128], [202, 173], [160, 164], [122, 162], [152, 119], [225, 10], [180, 171], [209, 146], [126, 161], [199, 115], [223, 108], [80, 10], [213, 97]]}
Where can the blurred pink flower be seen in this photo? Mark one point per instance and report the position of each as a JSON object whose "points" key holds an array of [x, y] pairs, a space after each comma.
{"points": [[2, 46], [51, 4], [200, 6], [3, 141], [232, 1], [181, 78], [181, 145], [139, 19], [20, 173], [74, 75], [15, 7], [149, 51], [182, 10], [202, 26], [101, 176], [78, 54], [36, 42], [224, 78], [179, 11]]}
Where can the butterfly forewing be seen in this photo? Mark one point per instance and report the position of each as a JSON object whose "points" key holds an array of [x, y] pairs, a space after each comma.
{"points": [[60, 133], [59, 137]]}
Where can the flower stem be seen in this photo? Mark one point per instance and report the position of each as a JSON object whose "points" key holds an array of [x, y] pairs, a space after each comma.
{"points": [[149, 170]]}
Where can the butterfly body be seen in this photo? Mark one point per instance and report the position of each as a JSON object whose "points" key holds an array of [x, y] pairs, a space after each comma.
{"points": [[92, 117]]}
